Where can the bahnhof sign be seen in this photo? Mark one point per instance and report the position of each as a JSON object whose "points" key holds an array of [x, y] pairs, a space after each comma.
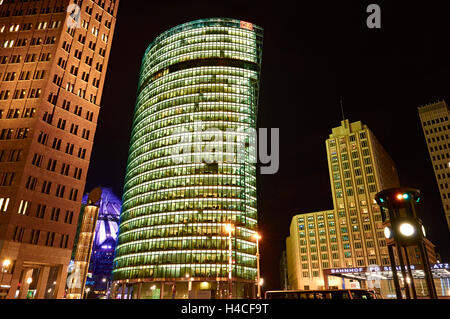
{"points": [[380, 278]]}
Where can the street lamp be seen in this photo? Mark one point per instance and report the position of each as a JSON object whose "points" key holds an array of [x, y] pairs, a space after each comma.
{"points": [[107, 287], [6, 263], [87, 292], [258, 274], [230, 228]]}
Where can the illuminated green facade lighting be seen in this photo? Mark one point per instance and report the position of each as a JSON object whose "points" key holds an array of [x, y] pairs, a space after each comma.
{"points": [[183, 184]]}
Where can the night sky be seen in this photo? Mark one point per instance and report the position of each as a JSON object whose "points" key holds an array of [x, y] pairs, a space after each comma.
{"points": [[314, 55]]}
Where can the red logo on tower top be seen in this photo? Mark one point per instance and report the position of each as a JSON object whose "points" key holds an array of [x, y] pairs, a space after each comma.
{"points": [[247, 25]]}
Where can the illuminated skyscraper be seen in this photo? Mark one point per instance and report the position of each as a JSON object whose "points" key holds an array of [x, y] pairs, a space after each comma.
{"points": [[436, 128], [350, 235], [185, 182], [53, 60]]}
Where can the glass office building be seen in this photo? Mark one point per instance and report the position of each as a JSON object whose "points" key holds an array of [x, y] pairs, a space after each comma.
{"points": [[192, 166]]}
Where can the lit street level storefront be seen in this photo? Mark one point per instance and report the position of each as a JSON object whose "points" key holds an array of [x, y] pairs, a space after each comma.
{"points": [[381, 279]]}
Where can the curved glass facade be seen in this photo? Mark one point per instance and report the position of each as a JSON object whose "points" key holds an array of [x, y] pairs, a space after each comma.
{"points": [[191, 167]]}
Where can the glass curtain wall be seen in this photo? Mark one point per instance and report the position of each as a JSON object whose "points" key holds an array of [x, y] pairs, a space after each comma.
{"points": [[192, 165]]}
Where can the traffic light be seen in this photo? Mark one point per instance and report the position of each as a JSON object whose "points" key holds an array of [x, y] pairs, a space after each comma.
{"points": [[403, 197]]}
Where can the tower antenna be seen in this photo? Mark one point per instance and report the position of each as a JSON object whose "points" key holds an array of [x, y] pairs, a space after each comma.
{"points": [[342, 110]]}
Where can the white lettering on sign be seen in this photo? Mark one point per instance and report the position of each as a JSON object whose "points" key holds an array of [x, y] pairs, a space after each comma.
{"points": [[441, 266]]}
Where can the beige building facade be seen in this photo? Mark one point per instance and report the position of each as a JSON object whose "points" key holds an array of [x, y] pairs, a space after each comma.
{"points": [[53, 60], [351, 234], [436, 128]]}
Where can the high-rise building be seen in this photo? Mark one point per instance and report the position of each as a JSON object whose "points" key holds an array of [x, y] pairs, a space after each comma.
{"points": [[53, 60], [436, 127], [186, 180], [350, 235]]}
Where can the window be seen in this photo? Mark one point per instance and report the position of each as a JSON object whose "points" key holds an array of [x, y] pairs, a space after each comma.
{"points": [[24, 208], [4, 203]]}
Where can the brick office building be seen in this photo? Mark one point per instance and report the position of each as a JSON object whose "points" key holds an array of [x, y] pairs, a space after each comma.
{"points": [[53, 60]]}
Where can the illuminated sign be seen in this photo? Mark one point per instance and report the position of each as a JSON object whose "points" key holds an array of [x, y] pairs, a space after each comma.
{"points": [[247, 25], [346, 270], [441, 266], [398, 268]]}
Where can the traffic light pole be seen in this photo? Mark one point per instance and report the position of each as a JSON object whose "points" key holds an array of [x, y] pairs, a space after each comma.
{"points": [[427, 270], [398, 291], [413, 285], [402, 265]]}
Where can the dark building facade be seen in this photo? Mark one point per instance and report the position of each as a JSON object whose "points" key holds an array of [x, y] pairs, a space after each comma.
{"points": [[53, 60]]}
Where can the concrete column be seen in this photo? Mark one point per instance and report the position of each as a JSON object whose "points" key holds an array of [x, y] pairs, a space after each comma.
{"points": [[138, 295], [123, 292], [60, 287], [27, 273], [15, 279], [42, 282]]}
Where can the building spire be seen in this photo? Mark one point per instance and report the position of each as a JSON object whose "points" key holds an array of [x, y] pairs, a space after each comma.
{"points": [[342, 110]]}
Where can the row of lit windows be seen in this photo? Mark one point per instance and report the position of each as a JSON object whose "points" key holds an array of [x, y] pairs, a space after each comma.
{"points": [[192, 113], [209, 46], [220, 74], [42, 25], [167, 169], [176, 157], [192, 39], [189, 127], [218, 86], [218, 117], [145, 165], [190, 180], [155, 181], [191, 43], [197, 115], [183, 193], [184, 257], [235, 217], [202, 54], [189, 109], [228, 202], [246, 35], [205, 218], [192, 140], [195, 204], [161, 131], [180, 271], [146, 94]]}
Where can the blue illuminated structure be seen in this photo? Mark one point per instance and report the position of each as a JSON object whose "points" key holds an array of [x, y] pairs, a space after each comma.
{"points": [[101, 264]]}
